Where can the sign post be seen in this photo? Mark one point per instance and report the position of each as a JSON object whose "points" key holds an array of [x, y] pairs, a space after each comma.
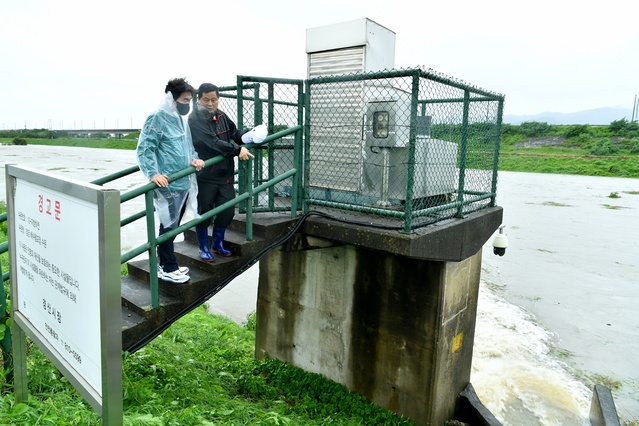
{"points": [[64, 245]]}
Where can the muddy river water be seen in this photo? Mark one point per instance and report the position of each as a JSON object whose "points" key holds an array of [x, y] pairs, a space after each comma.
{"points": [[567, 290]]}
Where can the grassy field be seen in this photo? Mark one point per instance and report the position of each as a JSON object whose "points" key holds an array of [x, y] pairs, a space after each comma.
{"points": [[580, 149], [545, 160], [80, 142], [530, 147], [201, 371]]}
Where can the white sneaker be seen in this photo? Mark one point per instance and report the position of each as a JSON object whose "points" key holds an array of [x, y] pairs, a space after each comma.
{"points": [[183, 270], [175, 277]]}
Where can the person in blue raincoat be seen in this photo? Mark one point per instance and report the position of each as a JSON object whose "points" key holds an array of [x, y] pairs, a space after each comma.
{"points": [[165, 147]]}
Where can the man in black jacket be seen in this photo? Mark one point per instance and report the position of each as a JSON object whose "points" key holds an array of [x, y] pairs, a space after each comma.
{"points": [[214, 133]]}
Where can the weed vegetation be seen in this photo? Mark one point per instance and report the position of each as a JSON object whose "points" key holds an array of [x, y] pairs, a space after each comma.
{"points": [[201, 371], [535, 147]]}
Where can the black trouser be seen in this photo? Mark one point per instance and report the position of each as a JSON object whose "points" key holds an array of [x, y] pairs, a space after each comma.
{"points": [[211, 195], [166, 251]]}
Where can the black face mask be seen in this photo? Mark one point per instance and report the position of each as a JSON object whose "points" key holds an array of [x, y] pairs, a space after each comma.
{"points": [[183, 109]]}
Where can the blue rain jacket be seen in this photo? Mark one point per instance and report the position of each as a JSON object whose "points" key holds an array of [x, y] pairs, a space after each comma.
{"points": [[165, 147]]}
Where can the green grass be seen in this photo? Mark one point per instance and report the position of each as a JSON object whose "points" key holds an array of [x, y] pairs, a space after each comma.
{"points": [[579, 149], [201, 371], [539, 161], [80, 142]]}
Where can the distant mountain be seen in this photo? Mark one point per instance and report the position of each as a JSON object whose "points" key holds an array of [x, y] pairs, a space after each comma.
{"points": [[597, 116]]}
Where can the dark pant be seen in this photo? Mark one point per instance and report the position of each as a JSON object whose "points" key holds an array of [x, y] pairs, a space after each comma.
{"points": [[211, 195], [166, 251]]}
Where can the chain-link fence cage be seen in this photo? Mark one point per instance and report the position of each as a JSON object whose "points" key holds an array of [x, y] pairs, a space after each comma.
{"points": [[404, 147], [408, 145], [277, 103]]}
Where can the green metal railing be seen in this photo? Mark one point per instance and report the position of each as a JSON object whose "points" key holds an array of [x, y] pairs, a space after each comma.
{"points": [[147, 191], [252, 182], [5, 321], [148, 212]]}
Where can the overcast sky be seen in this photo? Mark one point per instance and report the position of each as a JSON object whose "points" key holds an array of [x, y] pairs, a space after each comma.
{"points": [[67, 63]]}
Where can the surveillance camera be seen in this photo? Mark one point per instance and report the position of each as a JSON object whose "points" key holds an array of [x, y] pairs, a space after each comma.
{"points": [[500, 242], [500, 251]]}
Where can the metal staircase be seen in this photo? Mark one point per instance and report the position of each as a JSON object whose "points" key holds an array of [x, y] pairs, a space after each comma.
{"points": [[141, 323]]}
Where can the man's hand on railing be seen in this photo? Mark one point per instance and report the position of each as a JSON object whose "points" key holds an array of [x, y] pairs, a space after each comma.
{"points": [[245, 154]]}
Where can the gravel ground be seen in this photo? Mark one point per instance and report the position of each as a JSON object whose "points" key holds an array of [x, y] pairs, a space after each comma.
{"points": [[548, 141]]}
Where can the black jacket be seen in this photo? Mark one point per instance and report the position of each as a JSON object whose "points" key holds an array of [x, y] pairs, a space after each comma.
{"points": [[213, 135]]}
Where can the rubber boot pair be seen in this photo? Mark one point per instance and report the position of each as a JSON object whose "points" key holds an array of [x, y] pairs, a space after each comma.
{"points": [[218, 240], [202, 233]]}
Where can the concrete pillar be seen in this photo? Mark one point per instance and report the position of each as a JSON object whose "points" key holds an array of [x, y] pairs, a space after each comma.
{"points": [[398, 330]]}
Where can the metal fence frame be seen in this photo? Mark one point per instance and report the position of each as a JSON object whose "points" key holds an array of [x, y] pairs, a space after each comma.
{"points": [[466, 199]]}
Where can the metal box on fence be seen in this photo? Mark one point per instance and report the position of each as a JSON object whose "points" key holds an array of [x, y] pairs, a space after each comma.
{"points": [[386, 170]]}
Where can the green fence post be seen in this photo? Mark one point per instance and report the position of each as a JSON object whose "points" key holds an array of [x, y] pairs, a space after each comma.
{"points": [[5, 342], [298, 191], [249, 205], [412, 137], [153, 261], [463, 154], [497, 147]]}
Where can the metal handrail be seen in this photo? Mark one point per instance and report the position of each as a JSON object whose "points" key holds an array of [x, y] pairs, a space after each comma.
{"points": [[185, 172], [148, 212], [151, 244], [147, 190]]}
